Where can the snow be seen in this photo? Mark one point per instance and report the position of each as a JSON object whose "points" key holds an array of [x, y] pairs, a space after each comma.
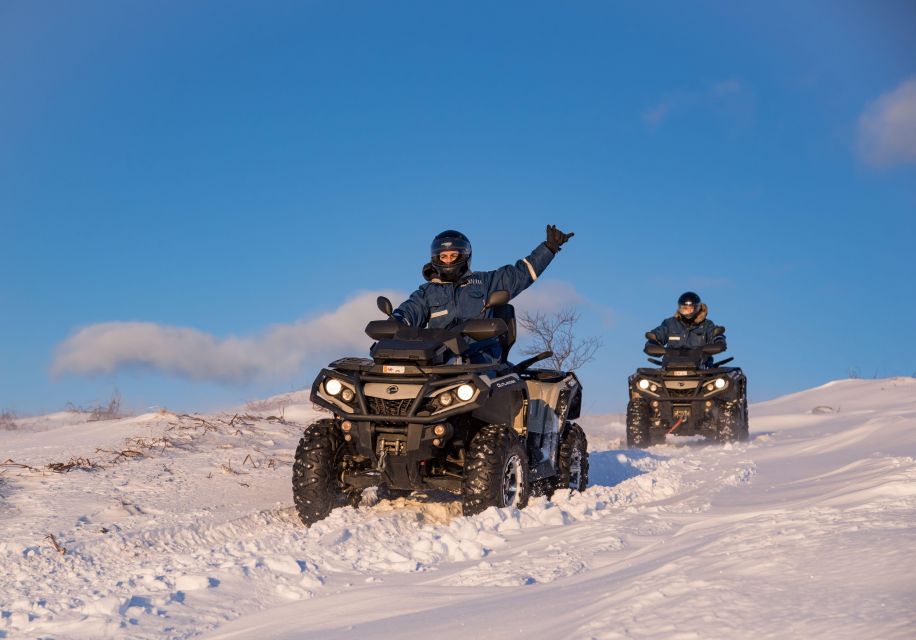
{"points": [[183, 526]]}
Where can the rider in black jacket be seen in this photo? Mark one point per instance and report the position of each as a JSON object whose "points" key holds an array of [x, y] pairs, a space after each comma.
{"points": [[688, 327]]}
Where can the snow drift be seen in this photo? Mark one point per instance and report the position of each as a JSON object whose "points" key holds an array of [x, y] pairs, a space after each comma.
{"points": [[180, 526]]}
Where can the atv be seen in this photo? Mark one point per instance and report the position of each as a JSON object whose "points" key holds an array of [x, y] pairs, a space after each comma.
{"points": [[418, 416], [686, 397]]}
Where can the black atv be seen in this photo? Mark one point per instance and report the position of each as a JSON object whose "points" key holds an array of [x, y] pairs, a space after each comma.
{"points": [[686, 397], [418, 416]]}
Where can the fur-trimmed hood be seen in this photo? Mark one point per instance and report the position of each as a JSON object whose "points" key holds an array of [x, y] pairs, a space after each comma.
{"points": [[698, 317], [431, 275]]}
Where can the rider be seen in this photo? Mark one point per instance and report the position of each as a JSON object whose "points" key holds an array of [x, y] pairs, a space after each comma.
{"points": [[689, 327], [453, 293]]}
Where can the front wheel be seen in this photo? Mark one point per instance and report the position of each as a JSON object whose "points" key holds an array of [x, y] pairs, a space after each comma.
{"points": [[316, 489], [496, 471], [638, 424], [733, 421], [572, 470]]}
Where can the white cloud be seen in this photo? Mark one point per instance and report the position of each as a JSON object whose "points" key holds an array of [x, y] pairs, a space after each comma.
{"points": [[887, 127], [191, 353], [280, 350], [550, 296], [654, 116], [728, 97], [725, 87]]}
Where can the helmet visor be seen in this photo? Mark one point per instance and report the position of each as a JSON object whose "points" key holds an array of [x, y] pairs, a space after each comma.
{"points": [[447, 251]]}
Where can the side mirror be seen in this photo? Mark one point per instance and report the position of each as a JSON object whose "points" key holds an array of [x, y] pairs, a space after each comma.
{"points": [[483, 328], [382, 329], [654, 349], [650, 335], [384, 305], [498, 299], [719, 330]]}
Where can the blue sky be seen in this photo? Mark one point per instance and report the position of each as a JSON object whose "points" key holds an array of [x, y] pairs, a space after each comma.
{"points": [[197, 200]]}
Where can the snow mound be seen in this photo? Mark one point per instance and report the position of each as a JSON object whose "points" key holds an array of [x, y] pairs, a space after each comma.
{"points": [[175, 526]]}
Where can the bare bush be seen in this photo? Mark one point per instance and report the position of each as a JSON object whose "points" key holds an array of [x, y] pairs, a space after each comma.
{"points": [[111, 411], [8, 420], [556, 332], [270, 404]]}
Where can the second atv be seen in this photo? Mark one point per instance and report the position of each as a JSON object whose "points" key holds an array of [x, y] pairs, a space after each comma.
{"points": [[418, 416], [684, 397]]}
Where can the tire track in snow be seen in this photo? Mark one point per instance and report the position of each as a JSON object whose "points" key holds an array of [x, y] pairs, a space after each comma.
{"points": [[179, 571]]}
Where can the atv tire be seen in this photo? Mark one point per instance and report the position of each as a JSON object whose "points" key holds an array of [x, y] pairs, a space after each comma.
{"points": [[316, 490], [638, 424], [733, 421], [496, 471], [572, 470]]}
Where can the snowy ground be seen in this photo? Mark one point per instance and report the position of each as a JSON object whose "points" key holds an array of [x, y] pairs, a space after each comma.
{"points": [[179, 526]]}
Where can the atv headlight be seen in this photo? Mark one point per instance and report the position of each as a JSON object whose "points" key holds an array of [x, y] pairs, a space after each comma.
{"points": [[445, 399], [346, 395], [465, 392], [643, 384], [720, 383], [332, 386]]}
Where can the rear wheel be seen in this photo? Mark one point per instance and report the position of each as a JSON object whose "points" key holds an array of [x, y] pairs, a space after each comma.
{"points": [[638, 423], [496, 471], [316, 489], [572, 470]]}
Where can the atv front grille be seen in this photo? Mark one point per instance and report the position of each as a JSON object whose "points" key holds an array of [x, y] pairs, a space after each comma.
{"points": [[383, 407], [682, 393]]}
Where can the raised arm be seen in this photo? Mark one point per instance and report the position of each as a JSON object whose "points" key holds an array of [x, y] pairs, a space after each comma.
{"points": [[517, 277]]}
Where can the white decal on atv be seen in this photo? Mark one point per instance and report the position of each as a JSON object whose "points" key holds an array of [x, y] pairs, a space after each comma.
{"points": [[392, 368], [436, 314], [503, 381]]}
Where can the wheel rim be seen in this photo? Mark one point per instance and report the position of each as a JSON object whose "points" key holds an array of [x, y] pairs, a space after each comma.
{"points": [[512, 481]]}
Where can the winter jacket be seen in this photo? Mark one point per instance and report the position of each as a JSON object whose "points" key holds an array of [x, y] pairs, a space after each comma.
{"points": [[679, 331], [440, 305]]}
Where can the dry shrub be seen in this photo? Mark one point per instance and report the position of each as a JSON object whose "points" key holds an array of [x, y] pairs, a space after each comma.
{"points": [[8, 420], [111, 411]]}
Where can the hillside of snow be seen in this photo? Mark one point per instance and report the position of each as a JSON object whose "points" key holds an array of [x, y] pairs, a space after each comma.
{"points": [[178, 526]]}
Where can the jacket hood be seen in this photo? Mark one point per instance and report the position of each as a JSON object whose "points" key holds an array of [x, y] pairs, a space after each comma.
{"points": [[698, 317], [430, 274]]}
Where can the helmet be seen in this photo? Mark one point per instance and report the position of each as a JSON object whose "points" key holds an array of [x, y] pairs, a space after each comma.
{"points": [[688, 299], [450, 241]]}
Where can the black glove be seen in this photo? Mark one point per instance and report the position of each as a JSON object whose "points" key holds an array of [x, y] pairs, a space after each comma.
{"points": [[556, 238]]}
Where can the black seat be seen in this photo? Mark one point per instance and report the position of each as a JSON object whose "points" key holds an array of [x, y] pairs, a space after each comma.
{"points": [[506, 313]]}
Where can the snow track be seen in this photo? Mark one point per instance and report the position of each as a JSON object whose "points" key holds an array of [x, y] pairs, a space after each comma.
{"points": [[196, 532]]}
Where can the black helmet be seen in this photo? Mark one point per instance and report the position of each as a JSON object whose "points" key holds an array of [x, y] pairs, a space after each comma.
{"points": [[450, 240], [688, 298]]}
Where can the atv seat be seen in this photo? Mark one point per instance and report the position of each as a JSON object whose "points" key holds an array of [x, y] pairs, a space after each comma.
{"points": [[506, 313]]}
